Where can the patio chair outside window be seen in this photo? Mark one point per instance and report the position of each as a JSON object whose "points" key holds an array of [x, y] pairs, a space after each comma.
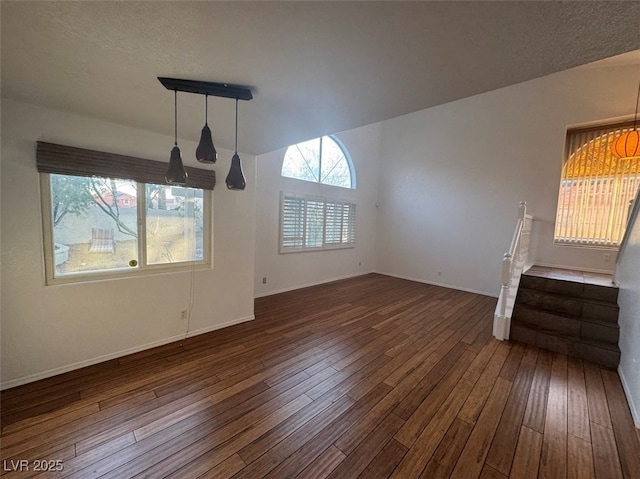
{"points": [[102, 241]]}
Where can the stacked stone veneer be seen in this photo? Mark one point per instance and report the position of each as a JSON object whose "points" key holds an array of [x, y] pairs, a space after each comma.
{"points": [[572, 318]]}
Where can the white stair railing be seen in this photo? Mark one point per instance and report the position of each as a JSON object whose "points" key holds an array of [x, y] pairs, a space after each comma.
{"points": [[514, 263]]}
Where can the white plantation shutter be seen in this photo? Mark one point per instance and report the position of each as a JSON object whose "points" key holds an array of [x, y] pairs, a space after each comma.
{"points": [[349, 224], [340, 224], [314, 225], [292, 227], [595, 189], [313, 222], [333, 228]]}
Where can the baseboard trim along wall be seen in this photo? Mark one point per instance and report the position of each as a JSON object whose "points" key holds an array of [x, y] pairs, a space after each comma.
{"points": [[307, 285], [107, 357], [444, 285], [635, 412], [316, 283]]}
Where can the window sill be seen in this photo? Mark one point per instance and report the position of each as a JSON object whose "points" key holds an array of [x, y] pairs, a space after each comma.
{"points": [[312, 250], [586, 245], [125, 273]]}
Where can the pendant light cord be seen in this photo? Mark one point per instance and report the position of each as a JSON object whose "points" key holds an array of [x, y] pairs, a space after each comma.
{"points": [[635, 120], [237, 125], [175, 116], [206, 109]]}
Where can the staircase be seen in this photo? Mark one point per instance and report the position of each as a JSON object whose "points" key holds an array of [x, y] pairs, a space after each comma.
{"points": [[569, 312]]}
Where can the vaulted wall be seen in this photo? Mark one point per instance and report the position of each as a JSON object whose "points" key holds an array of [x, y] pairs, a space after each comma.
{"points": [[51, 329], [451, 177], [437, 199]]}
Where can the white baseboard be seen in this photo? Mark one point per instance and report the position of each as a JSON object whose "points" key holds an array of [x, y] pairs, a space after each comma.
{"points": [[118, 354], [443, 285], [316, 283], [635, 412], [307, 285]]}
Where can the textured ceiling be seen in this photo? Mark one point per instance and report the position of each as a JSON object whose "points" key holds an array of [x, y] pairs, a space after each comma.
{"points": [[314, 67]]}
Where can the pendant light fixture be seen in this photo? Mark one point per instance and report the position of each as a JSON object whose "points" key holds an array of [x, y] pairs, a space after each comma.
{"points": [[176, 174], [627, 145], [206, 152], [235, 179]]}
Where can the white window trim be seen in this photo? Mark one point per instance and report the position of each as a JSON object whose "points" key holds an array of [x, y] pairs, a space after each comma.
{"points": [[142, 269], [325, 246], [347, 157], [589, 221]]}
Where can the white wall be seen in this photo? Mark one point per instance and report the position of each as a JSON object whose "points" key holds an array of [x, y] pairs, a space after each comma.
{"points": [[295, 270], [448, 181], [50, 329], [451, 177], [627, 278]]}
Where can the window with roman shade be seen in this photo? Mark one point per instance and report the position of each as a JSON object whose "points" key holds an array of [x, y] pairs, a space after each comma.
{"points": [[108, 215]]}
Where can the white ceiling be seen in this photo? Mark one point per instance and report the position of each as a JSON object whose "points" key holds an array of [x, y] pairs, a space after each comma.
{"points": [[314, 67]]}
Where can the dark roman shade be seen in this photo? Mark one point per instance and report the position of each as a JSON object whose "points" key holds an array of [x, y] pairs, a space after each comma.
{"points": [[68, 160]]}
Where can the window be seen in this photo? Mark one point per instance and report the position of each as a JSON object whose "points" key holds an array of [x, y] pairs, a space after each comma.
{"points": [[99, 226], [322, 160], [315, 223], [596, 189]]}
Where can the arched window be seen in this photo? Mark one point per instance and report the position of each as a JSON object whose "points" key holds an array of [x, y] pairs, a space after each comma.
{"points": [[596, 189], [321, 160]]}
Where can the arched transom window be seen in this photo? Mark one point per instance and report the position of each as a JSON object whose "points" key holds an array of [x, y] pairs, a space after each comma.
{"points": [[321, 160]]}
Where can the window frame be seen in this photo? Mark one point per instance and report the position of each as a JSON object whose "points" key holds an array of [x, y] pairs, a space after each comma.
{"points": [[593, 182], [142, 268], [352, 225], [345, 152]]}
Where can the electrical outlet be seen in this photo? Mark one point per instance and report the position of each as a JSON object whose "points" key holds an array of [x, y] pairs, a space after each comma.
{"points": [[264, 280], [183, 314], [607, 256]]}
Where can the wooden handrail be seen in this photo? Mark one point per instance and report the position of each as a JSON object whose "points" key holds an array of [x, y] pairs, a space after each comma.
{"points": [[510, 259]]}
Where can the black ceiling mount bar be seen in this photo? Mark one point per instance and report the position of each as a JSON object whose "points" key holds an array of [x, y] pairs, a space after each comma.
{"points": [[225, 90]]}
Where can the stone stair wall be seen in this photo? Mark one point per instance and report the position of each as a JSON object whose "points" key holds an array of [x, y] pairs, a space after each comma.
{"points": [[568, 317]]}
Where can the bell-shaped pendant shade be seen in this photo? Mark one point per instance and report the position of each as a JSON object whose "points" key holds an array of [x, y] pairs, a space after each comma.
{"points": [[206, 152], [176, 174], [235, 179], [627, 145]]}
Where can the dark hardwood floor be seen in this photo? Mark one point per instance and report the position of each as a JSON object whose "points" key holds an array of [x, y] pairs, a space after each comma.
{"points": [[371, 377]]}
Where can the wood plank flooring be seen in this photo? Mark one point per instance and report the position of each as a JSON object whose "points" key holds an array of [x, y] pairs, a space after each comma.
{"points": [[371, 377]]}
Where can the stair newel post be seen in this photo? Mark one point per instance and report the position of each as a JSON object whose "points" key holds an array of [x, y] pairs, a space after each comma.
{"points": [[506, 280]]}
